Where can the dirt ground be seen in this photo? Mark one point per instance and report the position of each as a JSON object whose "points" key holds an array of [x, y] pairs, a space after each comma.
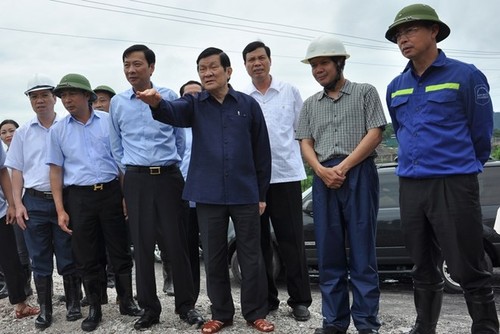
{"points": [[396, 313]]}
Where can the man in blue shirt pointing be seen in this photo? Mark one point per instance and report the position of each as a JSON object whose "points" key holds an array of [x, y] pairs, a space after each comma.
{"points": [[228, 176]]}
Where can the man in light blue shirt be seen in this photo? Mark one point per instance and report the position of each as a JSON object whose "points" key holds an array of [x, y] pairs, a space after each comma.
{"points": [[87, 195], [150, 153]]}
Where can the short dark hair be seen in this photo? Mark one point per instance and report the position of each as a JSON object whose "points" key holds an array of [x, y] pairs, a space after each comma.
{"points": [[190, 82], [254, 46], [148, 53], [9, 121], [224, 59]]}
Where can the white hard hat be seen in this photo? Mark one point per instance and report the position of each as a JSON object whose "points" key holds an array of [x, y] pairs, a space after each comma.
{"points": [[325, 46], [39, 82]]}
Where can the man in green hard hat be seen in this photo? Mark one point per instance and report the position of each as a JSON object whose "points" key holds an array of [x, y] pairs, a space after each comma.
{"points": [[104, 94], [88, 197], [442, 116]]}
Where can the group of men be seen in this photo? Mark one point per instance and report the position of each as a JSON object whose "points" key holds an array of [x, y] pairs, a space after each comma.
{"points": [[245, 164]]}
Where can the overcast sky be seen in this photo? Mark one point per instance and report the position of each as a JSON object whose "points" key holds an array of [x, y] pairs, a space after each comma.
{"points": [[88, 37]]}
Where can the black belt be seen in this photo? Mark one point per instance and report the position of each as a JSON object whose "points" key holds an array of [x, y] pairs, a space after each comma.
{"points": [[95, 187], [40, 194], [151, 170]]}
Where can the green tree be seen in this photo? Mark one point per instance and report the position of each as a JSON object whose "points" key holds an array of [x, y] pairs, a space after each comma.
{"points": [[495, 152]]}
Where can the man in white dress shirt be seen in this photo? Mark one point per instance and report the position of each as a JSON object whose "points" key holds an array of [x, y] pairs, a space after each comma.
{"points": [[281, 103]]}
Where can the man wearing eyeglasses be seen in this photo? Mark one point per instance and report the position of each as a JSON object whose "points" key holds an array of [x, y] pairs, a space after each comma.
{"points": [[443, 119]]}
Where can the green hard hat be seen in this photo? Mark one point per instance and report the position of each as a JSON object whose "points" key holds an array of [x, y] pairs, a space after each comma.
{"points": [[104, 88], [417, 12], [77, 81]]}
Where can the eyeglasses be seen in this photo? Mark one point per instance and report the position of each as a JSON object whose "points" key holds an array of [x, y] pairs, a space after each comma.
{"points": [[408, 32]]}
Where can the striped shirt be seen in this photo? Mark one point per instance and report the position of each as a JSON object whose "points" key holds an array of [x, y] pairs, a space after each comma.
{"points": [[338, 126]]}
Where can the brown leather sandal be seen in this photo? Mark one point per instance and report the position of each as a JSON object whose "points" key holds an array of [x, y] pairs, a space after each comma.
{"points": [[261, 325], [213, 326], [27, 311]]}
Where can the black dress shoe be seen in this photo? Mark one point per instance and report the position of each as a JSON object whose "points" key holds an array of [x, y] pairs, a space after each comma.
{"points": [[146, 321], [301, 313], [193, 317], [368, 331], [329, 330]]}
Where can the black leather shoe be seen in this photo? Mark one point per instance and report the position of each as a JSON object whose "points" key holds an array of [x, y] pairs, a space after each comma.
{"points": [[146, 321], [301, 313], [328, 330], [368, 331], [193, 317]]}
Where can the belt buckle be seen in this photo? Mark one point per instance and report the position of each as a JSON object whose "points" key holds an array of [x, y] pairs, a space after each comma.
{"points": [[99, 186], [47, 195], [154, 170]]}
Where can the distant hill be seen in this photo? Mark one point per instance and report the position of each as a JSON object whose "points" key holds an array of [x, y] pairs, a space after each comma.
{"points": [[496, 120]]}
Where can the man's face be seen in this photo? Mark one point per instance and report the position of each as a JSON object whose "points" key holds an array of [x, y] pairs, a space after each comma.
{"points": [[192, 89], [75, 101], [257, 64], [102, 102], [415, 39], [137, 71], [212, 75], [42, 101], [323, 70]]}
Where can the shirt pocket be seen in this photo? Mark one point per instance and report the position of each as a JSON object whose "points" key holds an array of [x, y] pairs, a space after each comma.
{"points": [[442, 106], [400, 105]]}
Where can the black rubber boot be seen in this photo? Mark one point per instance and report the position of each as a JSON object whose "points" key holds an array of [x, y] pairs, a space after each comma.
{"points": [[92, 285], [124, 289], [28, 291], [482, 310], [428, 299], [72, 285], [168, 282], [43, 287]]}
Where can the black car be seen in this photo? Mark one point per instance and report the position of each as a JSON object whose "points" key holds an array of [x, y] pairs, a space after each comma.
{"points": [[392, 256]]}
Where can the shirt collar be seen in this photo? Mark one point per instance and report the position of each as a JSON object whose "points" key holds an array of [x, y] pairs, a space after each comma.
{"points": [[346, 89], [438, 62]]}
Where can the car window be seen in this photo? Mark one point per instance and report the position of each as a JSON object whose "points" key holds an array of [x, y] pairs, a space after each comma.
{"points": [[389, 189]]}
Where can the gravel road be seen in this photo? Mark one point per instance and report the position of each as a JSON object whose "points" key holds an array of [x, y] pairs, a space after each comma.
{"points": [[396, 313]]}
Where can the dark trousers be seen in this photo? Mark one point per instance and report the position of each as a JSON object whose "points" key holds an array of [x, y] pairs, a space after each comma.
{"points": [[155, 210], [443, 216], [95, 216], [193, 240], [9, 260], [22, 250], [213, 222], [340, 215], [44, 238], [284, 209]]}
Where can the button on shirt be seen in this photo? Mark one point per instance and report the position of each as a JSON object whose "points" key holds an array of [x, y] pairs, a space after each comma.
{"points": [[230, 155], [281, 106], [338, 126], [83, 149], [27, 154], [443, 120], [137, 139]]}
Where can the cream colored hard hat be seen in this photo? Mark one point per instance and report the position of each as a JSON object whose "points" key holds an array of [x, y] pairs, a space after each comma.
{"points": [[325, 46], [39, 82]]}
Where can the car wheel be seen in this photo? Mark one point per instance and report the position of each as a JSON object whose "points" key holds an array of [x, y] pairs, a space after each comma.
{"points": [[450, 286], [235, 265]]}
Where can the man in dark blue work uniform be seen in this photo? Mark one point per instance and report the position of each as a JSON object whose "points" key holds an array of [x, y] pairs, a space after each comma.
{"points": [[443, 119]]}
